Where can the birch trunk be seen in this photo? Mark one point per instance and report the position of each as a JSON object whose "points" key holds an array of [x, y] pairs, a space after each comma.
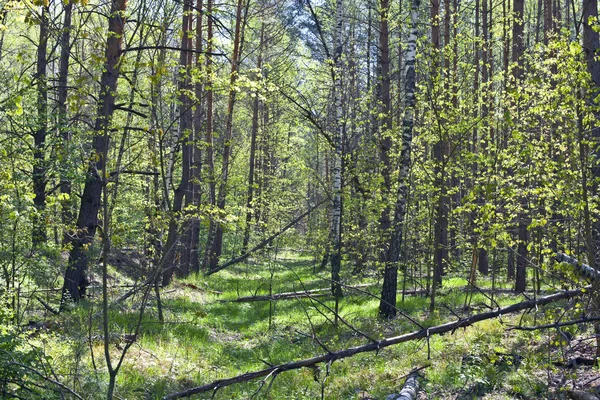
{"points": [[387, 305], [336, 164]]}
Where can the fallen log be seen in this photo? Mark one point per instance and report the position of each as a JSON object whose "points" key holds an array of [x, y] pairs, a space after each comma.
{"points": [[322, 292], [378, 344], [264, 242], [585, 269], [325, 292], [409, 390]]}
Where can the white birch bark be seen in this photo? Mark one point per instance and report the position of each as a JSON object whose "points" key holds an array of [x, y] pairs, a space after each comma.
{"points": [[387, 306], [336, 165]]}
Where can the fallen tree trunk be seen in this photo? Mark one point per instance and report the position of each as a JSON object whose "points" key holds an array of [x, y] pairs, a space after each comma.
{"points": [[583, 268], [264, 242], [409, 390], [322, 292], [325, 292], [377, 345]]}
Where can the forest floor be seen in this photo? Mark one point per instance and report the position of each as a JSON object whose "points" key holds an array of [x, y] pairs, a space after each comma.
{"points": [[206, 336]]}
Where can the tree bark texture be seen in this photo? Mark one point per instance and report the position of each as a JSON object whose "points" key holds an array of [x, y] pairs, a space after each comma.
{"points": [[387, 305], [336, 164], [215, 237], [185, 125], [75, 282], [39, 235], [63, 81]]}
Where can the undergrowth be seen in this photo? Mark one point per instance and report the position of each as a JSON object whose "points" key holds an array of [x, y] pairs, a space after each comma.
{"points": [[206, 337]]}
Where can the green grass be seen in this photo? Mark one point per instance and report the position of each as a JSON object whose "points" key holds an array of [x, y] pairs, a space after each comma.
{"points": [[205, 338]]}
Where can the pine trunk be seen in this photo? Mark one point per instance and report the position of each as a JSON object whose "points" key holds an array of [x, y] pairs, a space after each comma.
{"points": [[215, 238], [173, 237]]}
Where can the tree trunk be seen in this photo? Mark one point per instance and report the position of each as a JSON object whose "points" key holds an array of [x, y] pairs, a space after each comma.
{"points": [[215, 237], [387, 305], [522, 253], [185, 124], [75, 282], [518, 42], [38, 234], [591, 43], [254, 133], [511, 264], [548, 20], [196, 172], [189, 254], [439, 150], [63, 122], [523, 234], [386, 126], [336, 164], [210, 158]]}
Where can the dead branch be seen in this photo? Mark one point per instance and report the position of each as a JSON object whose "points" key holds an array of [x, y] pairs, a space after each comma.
{"points": [[46, 305], [379, 344], [264, 242]]}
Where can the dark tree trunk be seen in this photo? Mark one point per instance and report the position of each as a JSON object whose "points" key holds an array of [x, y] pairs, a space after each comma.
{"points": [[518, 40], [210, 158], [441, 220], [522, 254], [548, 20], [63, 122], [215, 236], [196, 171], [591, 44], [483, 261], [185, 124], [75, 282], [189, 250], [39, 235], [523, 234], [385, 142], [252, 161], [511, 264]]}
